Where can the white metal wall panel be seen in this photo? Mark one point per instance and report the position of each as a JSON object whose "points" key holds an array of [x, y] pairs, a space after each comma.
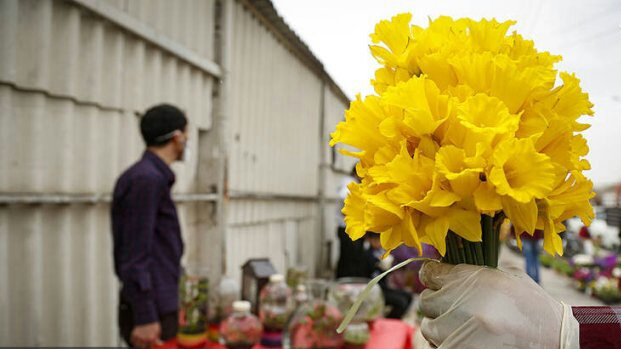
{"points": [[334, 165], [275, 114], [199, 236], [309, 243], [188, 22], [70, 86], [283, 231], [91, 112], [58, 284], [330, 212], [334, 113], [71, 83], [52, 145]]}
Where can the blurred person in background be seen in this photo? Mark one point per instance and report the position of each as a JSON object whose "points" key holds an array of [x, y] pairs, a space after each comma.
{"points": [[146, 232], [398, 300], [531, 251], [407, 278], [351, 253]]}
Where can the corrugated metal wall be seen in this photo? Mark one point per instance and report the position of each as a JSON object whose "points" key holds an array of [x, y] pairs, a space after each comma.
{"points": [[187, 22], [70, 85], [336, 168], [284, 231], [74, 75], [279, 138], [275, 117], [273, 151]]}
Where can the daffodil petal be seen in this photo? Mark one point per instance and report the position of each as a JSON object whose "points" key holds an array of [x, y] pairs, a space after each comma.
{"points": [[522, 215], [466, 224]]}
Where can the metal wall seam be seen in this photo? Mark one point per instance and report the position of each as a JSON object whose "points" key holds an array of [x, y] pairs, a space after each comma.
{"points": [[235, 80], [259, 121], [251, 211], [162, 40], [89, 36], [337, 171], [245, 101], [5, 295], [91, 199]]}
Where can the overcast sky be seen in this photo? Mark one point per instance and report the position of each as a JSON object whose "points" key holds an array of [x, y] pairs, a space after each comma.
{"points": [[585, 33]]}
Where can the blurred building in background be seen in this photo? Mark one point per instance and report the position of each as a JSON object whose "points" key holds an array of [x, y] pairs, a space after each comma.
{"points": [[75, 75]]}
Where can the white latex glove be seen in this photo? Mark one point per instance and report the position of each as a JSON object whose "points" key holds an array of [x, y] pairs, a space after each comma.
{"points": [[469, 306]]}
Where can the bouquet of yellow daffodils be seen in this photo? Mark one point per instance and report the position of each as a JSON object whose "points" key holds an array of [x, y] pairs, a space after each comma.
{"points": [[469, 126]]}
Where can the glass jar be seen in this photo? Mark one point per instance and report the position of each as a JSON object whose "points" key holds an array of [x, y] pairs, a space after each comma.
{"points": [[193, 300], [356, 335], [275, 308], [221, 305], [241, 330], [300, 296], [296, 276], [315, 322], [275, 304], [345, 292]]}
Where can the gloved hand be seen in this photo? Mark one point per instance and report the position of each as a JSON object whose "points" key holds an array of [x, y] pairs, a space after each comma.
{"points": [[476, 307]]}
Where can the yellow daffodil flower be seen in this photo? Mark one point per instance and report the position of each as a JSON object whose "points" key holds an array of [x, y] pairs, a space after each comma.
{"points": [[468, 122]]}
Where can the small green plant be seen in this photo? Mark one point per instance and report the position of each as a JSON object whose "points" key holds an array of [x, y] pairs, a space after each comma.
{"points": [[193, 294], [562, 266], [546, 260]]}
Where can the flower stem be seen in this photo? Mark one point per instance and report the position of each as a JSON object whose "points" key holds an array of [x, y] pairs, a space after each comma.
{"points": [[470, 259], [485, 252], [479, 252], [452, 254], [490, 242], [460, 247]]}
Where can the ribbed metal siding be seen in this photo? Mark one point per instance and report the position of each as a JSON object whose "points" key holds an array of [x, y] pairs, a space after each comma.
{"points": [[274, 152], [58, 286], [275, 116], [283, 231], [188, 22], [70, 125], [334, 113], [70, 85], [334, 165]]}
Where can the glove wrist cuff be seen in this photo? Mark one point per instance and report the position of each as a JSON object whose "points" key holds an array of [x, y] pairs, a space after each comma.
{"points": [[570, 329]]}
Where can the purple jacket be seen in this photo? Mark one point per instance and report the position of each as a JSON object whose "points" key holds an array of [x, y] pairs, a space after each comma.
{"points": [[147, 239]]}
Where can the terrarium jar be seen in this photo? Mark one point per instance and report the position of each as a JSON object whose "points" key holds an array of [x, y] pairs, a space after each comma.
{"points": [[356, 335], [300, 296], [193, 300], [241, 330], [345, 292], [275, 308], [315, 322], [221, 305]]}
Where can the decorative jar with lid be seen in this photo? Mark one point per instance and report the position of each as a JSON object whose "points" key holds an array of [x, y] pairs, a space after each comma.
{"points": [[314, 323], [242, 329], [275, 308]]}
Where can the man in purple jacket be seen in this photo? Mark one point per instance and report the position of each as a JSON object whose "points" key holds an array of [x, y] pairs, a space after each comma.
{"points": [[146, 232]]}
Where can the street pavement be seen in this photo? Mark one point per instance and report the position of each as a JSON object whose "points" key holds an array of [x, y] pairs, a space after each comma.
{"points": [[559, 286]]}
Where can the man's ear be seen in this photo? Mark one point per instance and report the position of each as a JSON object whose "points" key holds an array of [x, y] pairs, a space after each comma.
{"points": [[177, 136]]}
